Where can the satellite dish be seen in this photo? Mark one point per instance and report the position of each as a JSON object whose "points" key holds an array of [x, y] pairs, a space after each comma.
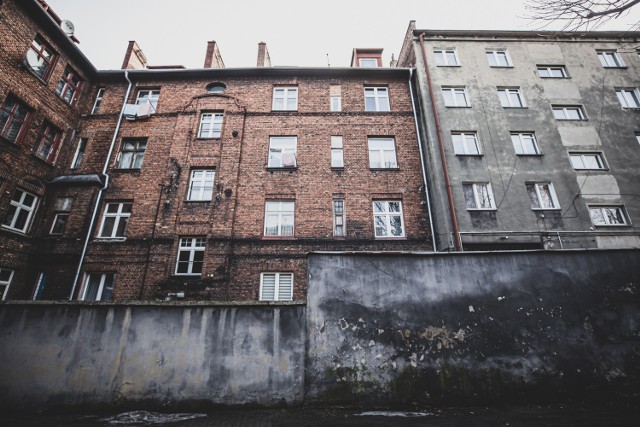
{"points": [[67, 27]]}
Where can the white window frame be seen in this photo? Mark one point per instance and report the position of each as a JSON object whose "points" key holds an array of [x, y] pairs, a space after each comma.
{"points": [[550, 70], [40, 286], [539, 191], [382, 149], [98, 101], [283, 211], [368, 62], [335, 103], [443, 56], [511, 97], [494, 57], [211, 125], [483, 199], [380, 97], [524, 143], [603, 210], [63, 208], [584, 160], [20, 206], [468, 141], [201, 184], [450, 95], [638, 137], [279, 147], [101, 286], [384, 216], [339, 218], [117, 216], [6, 282], [286, 95], [337, 152], [565, 109], [79, 155], [629, 97], [152, 96], [610, 59], [278, 293], [191, 246]]}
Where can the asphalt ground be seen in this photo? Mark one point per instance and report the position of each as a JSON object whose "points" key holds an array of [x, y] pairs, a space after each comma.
{"points": [[511, 416]]}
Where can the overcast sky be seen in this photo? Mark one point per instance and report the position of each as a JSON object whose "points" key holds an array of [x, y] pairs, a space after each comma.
{"points": [[297, 33]]}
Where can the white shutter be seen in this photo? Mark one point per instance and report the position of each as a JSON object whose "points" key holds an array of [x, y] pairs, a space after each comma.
{"points": [[285, 287], [268, 287]]}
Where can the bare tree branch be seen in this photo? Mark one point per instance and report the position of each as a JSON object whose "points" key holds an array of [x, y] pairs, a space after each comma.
{"points": [[579, 14]]}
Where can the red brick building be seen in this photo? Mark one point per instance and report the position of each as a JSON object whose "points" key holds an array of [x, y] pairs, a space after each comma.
{"points": [[203, 184]]}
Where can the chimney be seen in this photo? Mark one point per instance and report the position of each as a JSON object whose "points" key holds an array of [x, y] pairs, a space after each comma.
{"points": [[134, 59], [263, 55], [213, 59], [366, 58]]}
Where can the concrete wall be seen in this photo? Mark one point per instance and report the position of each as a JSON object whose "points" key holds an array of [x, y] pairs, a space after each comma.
{"points": [[472, 328], [112, 354]]}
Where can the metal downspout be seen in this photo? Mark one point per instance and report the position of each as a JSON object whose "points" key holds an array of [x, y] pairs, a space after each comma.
{"points": [[104, 187], [422, 163], [445, 168]]}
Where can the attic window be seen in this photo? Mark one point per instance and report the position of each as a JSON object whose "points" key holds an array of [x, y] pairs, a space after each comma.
{"points": [[216, 87]]}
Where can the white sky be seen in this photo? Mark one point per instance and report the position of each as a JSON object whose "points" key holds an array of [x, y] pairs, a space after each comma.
{"points": [[298, 33]]}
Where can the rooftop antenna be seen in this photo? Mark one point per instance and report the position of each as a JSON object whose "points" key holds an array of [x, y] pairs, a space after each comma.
{"points": [[328, 63]]}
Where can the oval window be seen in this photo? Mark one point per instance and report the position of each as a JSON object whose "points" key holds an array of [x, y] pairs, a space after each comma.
{"points": [[216, 87]]}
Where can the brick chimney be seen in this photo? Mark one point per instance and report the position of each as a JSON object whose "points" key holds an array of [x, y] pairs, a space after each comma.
{"points": [[213, 59], [134, 59], [263, 55]]}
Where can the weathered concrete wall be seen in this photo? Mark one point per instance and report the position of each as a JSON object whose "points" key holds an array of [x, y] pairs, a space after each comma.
{"points": [[113, 354], [473, 327]]}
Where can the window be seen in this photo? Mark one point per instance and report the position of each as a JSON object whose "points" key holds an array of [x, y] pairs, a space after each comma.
{"points": [[148, 96], [335, 100], [46, 147], [132, 153], [201, 185], [96, 104], [190, 256], [216, 87], [285, 99], [210, 125], [478, 196], [446, 58], [278, 218], [542, 196], [21, 210], [455, 97], [13, 117], [610, 59], [587, 161], [387, 218], [337, 152], [98, 287], [6, 276], [77, 158], [629, 98], [339, 227], [69, 86], [282, 152], [568, 112], [382, 153], [38, 292], [368, 62], [276, 286], [115, 220], [465, 143], [498, 58], [525, 144], [511, 98], [40, 58], [62, 208], [552, 71], [376, 99], [607, 215], [638, 137]]}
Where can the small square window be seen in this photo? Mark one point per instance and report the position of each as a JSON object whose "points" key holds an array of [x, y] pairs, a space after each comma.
{"points": [[511, 97], [276, 286], [465, 143], [279, 218], [6, 276], [201, 185], [368, 62], [610, 59], [150, 96], [382, 153], [21, 209], [455, 97], [283, 152], [285, 99], [587, 161], [446, 57], [48, 143], [478, 196], [132, 153], [376, 99], [62, 209], [115, 220], [13, 119], [40, 58], [69, 86], [568, 112], [607, 215], [525, 144], [98, 287], [190, 259], [552, 72], [499, 58], [542, 196], [387, 218], [210, 125], [337, 152], [629, 97]]}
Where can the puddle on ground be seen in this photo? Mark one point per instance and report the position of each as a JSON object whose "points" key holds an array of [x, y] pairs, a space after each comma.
{"points": [[149, 418]]}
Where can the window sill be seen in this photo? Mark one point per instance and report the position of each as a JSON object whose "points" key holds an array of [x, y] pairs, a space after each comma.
{"points": [[556, 78], [469, 155], [199, 201], [13, 230], [449, 66], [125, 170], [501, 66], [611, 225], [592, 170], [631, 108], [529, 155], [204, 139], [458, 106], [110, 239], [617, 67], [384, 169], [284, 111], [546, 209], [282, 169], [337, 168], [377, 111], [187, 275], [515, 108], [391, 238], [279, 238], [482, 210]]}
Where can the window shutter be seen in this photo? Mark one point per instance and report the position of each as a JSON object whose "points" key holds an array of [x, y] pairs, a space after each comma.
{"points": [[268, 289], [285, 288]]}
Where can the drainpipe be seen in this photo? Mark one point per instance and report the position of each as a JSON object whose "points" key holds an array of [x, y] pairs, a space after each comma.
{"points": [[104, 187], [445, 168], [422, 162]]}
